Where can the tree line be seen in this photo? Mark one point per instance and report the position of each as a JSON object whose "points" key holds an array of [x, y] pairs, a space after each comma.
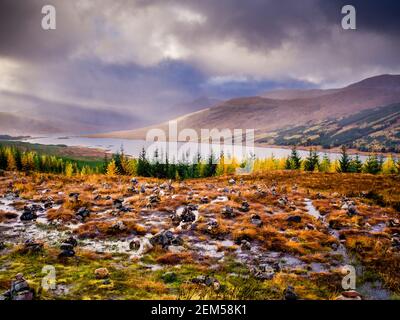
{"points": [[346, 163], [159, 166]]}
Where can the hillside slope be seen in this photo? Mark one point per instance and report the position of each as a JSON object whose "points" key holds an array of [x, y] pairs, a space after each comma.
{"points": [[267, 115]]}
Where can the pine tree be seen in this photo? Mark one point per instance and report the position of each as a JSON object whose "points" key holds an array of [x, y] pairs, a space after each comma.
{"points": [[312, 161], [210, 167], [295, 161], [356, 165], [372, 165], [344, 161]]}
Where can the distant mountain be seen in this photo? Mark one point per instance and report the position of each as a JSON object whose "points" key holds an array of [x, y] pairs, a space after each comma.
{"points": [[282, 110], [375, 129], [296, 94], [34, 115], [14, 125]]}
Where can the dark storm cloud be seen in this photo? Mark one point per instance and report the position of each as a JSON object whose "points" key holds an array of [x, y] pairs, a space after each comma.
{"points": [[143, 55], [21, 34], [374, 16]]}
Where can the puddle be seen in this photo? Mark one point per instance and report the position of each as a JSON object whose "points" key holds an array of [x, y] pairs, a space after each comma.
{"points": [[220, 199], [312, 210], [378, 227], [374, 291]]}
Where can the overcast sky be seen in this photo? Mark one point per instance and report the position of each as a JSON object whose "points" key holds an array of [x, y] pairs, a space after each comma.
{"points": [[143, 55]]}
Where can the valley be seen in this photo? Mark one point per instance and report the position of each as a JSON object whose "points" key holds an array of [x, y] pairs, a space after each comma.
{"points": [[264, 236]]}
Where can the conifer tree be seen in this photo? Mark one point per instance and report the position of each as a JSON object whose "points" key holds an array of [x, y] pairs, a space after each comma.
{"points": [[372, 165], [344, 161]]}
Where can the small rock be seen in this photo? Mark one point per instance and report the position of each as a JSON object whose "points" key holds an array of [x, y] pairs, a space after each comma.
{"points": [[256, 220], [204, 200], [66, 254], [83, 212], [290, 294], [66, 246], [231, 181], [28, 214], [295, 219], [72, 241], [2, 245], [394, 223], [19, 290], [134, 244], [351, 211], [74, 196], [228, 212], [310, 226], [207, 281], [245, 207], [245, 245], [31, 246], [165, 239]]}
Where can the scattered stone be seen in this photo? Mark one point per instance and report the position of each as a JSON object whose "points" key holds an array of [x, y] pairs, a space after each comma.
{"points": [[245, 207], [232, 181], [188, 215], [212, 226], [67, 253], [101, 273], [97, 197], [28, 214], [283, 201], [396, 241], [74, 196], [134, 244], [204, 200], [310, 226], [295, 219], [207, 281], [394, 223], [83, 212], [351, 211], [134, 181], [118, 227], [19, 290], [228, 212], [117, 203], [165, 239], [263, 272], [256, 220], [31, 246], [72, 241], [245, 245], [66, 247], [289, 293]]}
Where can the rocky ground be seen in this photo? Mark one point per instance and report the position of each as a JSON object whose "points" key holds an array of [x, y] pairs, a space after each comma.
{"points": [[275, 236]]}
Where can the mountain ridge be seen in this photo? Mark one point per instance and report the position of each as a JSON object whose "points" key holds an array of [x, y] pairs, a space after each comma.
{"points": [[268, 115]]}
